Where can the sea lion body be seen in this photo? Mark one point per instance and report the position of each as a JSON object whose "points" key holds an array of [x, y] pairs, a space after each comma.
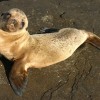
{"points": [[51, 48], [41, 50], [38, 50]]}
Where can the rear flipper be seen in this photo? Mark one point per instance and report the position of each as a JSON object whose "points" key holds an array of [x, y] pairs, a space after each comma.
{"points": [[94, 40], [18, 78]]}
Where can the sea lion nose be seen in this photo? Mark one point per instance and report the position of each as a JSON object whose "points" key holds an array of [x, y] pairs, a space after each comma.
{"points": [[5, 15]]}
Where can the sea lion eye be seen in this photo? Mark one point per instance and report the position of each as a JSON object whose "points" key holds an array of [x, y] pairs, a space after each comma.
{"points": [[22, 24], [5, 16]]}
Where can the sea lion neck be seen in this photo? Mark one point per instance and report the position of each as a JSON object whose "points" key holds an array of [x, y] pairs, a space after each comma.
{"points": [[12, 36]]}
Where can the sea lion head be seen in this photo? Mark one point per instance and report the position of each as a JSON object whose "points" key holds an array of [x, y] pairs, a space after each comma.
{"points": [[14, 20]]}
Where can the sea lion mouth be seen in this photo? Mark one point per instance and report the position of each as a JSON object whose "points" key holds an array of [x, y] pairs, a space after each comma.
{"points": [[4, 20], [5, 16]]}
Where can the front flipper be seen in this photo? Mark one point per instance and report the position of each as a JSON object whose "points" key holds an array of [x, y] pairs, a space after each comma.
{"points": [[18, 78]]}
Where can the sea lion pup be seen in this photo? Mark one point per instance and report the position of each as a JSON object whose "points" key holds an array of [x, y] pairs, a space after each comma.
{"points": [[38, 50]]}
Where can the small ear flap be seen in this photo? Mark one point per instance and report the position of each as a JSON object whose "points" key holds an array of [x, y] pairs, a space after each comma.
{"points": [[18, 80]]}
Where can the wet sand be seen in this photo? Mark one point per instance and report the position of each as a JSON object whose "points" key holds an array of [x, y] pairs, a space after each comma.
{"points": [[77, 78]]}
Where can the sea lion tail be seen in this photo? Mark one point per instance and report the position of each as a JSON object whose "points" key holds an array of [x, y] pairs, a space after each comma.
{"points": [[18, 78], [94, 40]]}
